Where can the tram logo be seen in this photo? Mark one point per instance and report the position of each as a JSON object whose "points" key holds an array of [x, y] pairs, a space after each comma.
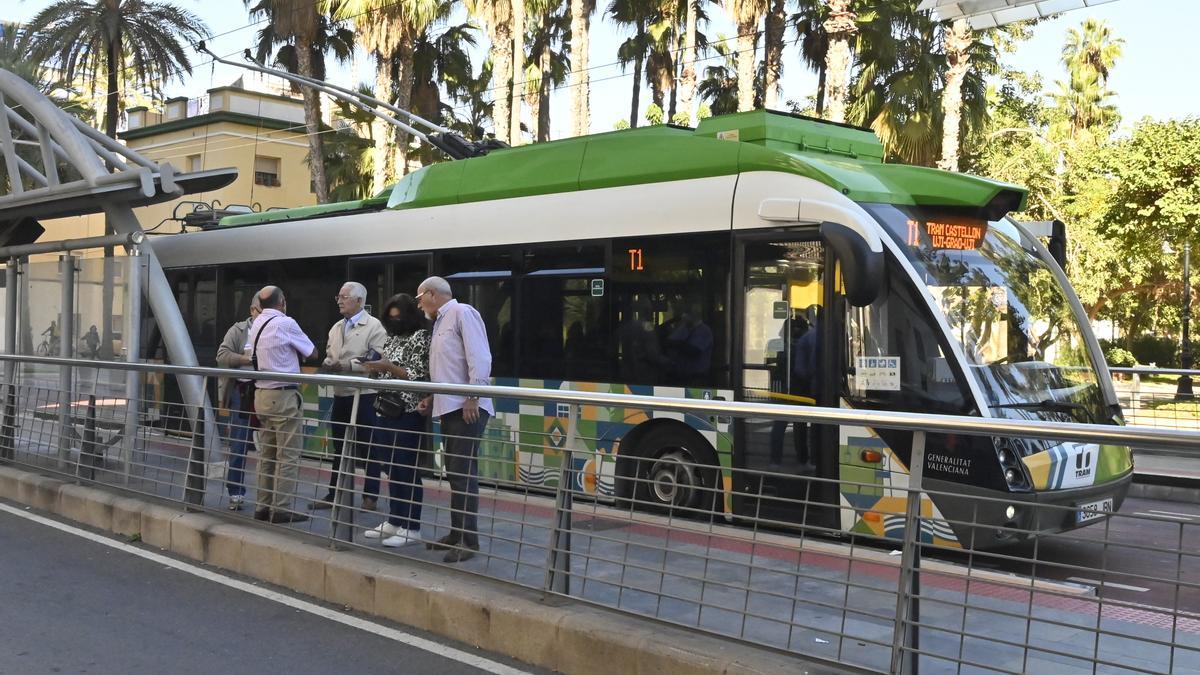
{"points": [[1083, 464]]}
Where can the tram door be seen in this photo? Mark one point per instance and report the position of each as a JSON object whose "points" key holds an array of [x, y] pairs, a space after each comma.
{"points": [[384, 276], [783, 337]]}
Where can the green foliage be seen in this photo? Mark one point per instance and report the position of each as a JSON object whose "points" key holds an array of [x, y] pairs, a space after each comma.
{"points": [[1161, 351], [682, 118], [1121, 358], [703, 112], [654, 114], [621, 125]]}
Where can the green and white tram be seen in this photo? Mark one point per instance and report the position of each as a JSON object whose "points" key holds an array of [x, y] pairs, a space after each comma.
{"points": [[758, 257]]}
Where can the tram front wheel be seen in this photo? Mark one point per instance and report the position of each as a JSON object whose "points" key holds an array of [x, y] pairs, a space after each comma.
{"points": [[672, 477]]}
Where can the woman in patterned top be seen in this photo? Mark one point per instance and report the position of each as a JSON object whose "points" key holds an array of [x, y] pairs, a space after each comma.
{"points": [[397, 441]]}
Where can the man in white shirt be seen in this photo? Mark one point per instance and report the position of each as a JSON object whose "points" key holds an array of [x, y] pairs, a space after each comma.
{"points": [[351, 340], [459, 354]]}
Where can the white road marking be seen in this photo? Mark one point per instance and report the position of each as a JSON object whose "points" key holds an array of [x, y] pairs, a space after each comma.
{"points": [[1108, 584], [1156, 514], [1189, 516], [295, 603]]}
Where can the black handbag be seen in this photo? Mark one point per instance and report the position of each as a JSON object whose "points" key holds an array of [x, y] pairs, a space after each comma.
{"points": [[390, 404]]}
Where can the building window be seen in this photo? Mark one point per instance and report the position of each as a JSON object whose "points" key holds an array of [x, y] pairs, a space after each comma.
{"points": [[194, 163], [266, 171]]}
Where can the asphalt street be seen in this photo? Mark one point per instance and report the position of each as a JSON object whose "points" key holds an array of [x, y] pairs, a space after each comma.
{"points": [[71, 605]]}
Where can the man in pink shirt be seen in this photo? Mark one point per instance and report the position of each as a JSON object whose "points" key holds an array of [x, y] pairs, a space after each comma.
{"points": [[459, 354], [276, 343]]}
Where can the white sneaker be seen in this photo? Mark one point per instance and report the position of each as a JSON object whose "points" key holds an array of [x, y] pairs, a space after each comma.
{"points": [[402, 537], [385, 530]]}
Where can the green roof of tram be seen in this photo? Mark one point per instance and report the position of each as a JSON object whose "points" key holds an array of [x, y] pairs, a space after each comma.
{"points": [[846, 158]]}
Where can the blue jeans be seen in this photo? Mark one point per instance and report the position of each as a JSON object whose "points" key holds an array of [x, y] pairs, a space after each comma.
{"points": [[238, 431], [396, 446]]}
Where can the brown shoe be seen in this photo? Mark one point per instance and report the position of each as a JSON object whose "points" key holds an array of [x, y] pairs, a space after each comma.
{"points": [[447, 542], [286, 517], [460, 554], [370, 503], [262, 514]]}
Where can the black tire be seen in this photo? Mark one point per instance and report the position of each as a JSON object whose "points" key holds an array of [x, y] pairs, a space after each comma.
{"points": [[674, 472]]}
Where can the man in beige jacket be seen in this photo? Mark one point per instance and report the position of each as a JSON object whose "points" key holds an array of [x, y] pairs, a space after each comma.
{"points": [[357, 336]]}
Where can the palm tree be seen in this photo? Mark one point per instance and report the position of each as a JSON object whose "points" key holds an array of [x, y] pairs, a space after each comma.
{"points": [[298, 23], [720, 84], [773, 52], [581, 20], [746, 15], [547, 65], [635, 48], [497, 18], [388, 30], [958, 43], [808, 22], [1093, 48], [687, 80], [140, 44], [518, 50], [840, 27], [662, 47]]}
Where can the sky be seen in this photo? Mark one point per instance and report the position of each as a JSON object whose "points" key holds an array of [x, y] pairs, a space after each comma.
{"points": [[1154, 78]]}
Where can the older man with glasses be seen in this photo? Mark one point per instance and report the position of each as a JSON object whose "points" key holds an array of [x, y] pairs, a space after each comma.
{"points": [[458, 354], [358, 336]]}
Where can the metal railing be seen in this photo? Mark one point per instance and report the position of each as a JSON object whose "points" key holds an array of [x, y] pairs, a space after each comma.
{"points": [[1148, 397], [1123, 593]]}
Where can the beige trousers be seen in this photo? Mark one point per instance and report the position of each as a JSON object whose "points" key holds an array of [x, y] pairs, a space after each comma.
{"points": [[281, 416]]}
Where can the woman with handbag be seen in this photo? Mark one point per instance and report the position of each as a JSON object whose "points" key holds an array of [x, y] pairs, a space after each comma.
{"points": [[397, 440]]}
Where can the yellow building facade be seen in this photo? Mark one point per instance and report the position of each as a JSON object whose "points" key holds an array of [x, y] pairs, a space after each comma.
{"points": [[262, 135]]}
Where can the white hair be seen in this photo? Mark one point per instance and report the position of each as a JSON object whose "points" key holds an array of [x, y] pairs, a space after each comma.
{"points": [[357, 290], [437, 285]]}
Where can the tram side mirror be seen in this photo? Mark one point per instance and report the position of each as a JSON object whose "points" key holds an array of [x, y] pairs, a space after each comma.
{"points": [[862, 268]]}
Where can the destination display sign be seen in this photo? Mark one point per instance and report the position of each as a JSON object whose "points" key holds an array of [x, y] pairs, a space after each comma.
{"points": [[965, 235]]}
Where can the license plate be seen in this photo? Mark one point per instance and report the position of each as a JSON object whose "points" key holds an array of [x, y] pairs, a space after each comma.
{"points": [[1094, 510]]}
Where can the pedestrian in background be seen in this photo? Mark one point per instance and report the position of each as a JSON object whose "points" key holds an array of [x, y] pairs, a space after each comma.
{"points": [[458, 354], [277, 344], [355, 338], [397, 440], [237, 397]]}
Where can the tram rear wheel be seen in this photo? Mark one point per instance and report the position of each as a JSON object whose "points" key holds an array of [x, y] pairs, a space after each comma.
{"points": [[675, 472]]}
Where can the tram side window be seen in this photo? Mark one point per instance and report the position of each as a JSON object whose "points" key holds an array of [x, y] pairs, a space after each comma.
{"points": [[196, 294], [482, 278], [669, 310], [309, 286], [895, 357], [563, 318]]}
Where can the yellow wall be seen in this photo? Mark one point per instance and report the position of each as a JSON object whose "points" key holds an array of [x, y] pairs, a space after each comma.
{"points": [[220, 145]]}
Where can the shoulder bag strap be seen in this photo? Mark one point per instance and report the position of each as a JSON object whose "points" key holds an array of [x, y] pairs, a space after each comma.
{"points": [[254, 350]]}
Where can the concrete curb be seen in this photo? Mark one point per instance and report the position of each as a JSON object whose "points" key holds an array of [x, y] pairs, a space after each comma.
{"points": [[549, 632], [1165, 488]]}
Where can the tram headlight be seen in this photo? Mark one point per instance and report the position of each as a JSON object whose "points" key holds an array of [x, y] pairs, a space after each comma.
{"points": [[1013, 477], [1010, 512]]}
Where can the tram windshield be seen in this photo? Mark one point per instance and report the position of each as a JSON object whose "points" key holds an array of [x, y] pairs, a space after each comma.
{"points": [[1005, 308]]}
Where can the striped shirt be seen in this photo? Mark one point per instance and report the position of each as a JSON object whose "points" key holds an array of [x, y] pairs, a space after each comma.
{"points": [[281, 346]]}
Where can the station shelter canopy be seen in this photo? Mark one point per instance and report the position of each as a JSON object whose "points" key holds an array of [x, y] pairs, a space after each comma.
{"points": [[991, 13]]}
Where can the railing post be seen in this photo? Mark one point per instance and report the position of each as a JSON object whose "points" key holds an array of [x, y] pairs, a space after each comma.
{"points": [[197, 469], [131, 338], [906, 635], [342, 527], [66, 343], [558, 558], [8, 425]]}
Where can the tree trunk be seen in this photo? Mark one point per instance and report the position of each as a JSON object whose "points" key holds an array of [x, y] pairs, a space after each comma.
{"points": [[773, 53], [958, 42], [676, 48], [518, 57], [312, 122], [687, 83], [745, 63], [634, 104], [404, 90], [840, 27], [112, 110], [580, 82], [821, 91], [384, 169], [543, 117], [502, 76]]}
